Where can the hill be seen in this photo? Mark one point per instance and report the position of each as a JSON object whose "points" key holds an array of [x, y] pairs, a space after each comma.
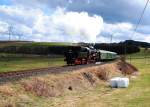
{"points": [[31, 43], [137, 43]]}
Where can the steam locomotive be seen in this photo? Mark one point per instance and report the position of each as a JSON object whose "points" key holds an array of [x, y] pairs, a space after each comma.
{"points": [[78, 55]]}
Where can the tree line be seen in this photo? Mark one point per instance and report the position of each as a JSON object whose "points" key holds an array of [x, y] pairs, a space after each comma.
{"points": [[120, 48], [38, 49]]}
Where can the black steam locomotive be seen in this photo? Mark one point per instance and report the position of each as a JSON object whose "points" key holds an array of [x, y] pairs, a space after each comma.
{"points": [[77, 55]]}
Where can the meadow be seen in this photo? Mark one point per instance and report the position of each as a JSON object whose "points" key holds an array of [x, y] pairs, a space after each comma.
{"points": [[136, 95], [17, 62]]}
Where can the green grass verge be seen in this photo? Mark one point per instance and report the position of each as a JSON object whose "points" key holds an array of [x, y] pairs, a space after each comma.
{"points": [[26, 63], [137, 95], [142, 54]]}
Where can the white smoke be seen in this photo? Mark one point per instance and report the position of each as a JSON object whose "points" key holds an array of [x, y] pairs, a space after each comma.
{"points": [[78, 26]]}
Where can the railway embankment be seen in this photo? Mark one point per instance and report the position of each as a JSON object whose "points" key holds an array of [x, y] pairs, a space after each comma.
{"points": [[54, 85], [57, 84]]}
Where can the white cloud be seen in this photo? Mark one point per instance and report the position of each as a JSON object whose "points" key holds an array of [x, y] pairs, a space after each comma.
{"points": [[69, 26], [122, 32], [3, 27], [141, 37], [122, 27], [62, 25], [147, 38], [19, 14]]}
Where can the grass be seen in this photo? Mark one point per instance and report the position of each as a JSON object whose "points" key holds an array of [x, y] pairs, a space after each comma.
{"points": [[16, 63], [136, 95], [31, 43], [142, 54], [50, 43]]}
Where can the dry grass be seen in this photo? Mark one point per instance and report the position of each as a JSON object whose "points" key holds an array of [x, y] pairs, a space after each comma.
{"points": [[56, 85], [7, 90], [126, 68], [40, 88], [45, 87]]}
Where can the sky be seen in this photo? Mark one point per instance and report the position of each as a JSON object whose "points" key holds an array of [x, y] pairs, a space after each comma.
{"points": [[74, 20]]}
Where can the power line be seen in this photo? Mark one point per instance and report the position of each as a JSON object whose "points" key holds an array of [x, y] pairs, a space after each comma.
{"points": [[141, 16], [139, 21], [11, 32]]}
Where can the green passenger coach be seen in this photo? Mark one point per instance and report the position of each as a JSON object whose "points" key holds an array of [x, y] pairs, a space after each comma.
{"points": [[107, 55]]}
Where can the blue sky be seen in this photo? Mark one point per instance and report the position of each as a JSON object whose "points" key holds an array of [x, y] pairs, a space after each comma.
{"points": [[74, 20], [5, 2]]}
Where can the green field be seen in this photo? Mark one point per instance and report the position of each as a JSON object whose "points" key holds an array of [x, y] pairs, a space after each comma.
{"points": [[16, 62], [136, 95], [142, 54], [31, 43]]}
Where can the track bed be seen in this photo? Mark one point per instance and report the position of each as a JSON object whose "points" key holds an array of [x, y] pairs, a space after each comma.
{"points": [[15, 75]]}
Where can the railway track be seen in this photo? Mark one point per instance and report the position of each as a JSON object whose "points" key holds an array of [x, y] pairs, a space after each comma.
{"points": [[16, 75]]}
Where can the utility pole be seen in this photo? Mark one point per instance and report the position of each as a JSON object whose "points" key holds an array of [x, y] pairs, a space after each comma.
{"points": [[10, 31], [139, 21], [125, 50], [19, 36], [111, 36]]}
